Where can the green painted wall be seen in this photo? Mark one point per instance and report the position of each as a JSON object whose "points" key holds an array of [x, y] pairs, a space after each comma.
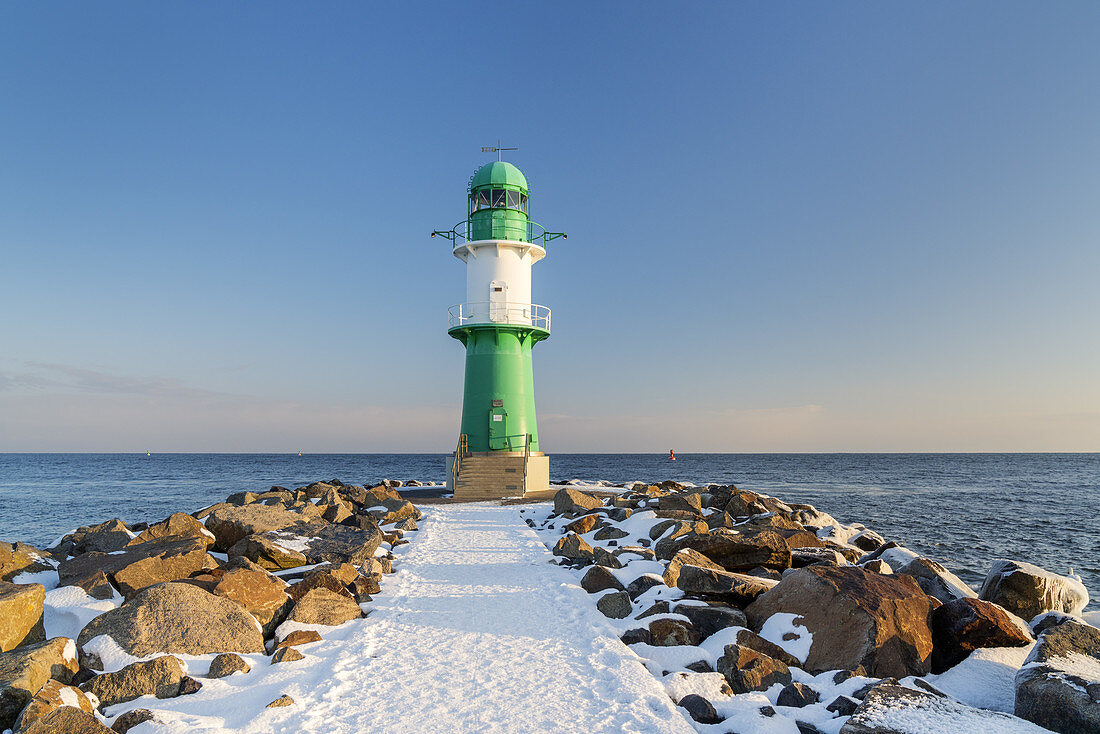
{"points": [[499, 367]]}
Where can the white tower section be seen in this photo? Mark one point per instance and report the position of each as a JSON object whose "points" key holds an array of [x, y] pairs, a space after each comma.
{"points": [[498, 283]]}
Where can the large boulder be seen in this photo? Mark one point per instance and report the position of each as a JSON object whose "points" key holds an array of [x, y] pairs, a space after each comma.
{"points": [[393, 510], [67, 720], [132, 568], [748, 670], [18, 558], [962, 626], [574, 548], [571, 501], [937, 581], [724, 585], [51, 697], [177, 526], [106, 537], [25, 670], [894, 709], [686, 557], [712, 617], [732, 550], [1028, 591], [324, 606], [261, 594], [21, 614], [229, 523], [160, 677], [856, 618], [177, 618], [1058, 686], [266, 552], [339, 543]]}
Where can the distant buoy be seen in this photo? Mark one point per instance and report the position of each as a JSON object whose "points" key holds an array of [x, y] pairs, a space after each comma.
{"points": [[147, 453], [671, 456], [299, 453]]}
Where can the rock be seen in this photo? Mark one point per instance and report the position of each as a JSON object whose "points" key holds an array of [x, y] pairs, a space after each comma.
{"points": [[748, 670], [687, 557], [699, 709], [843, 706], [261, 594], [570, 501], [227, 663], [605, 558], [712, 617], [642, 584], [133, 568], [281, 701], [1058, 686], [856, 618], [286, 655], [599, 578], [407, 525], [691, 503], [609, 533], [267, 553], [177, 618], [962, 626], [753, 641], [299, 637], [635, 636], [339, 543], [49, 697], [797, 695], [659, 607], [17, 558], [583, 524], [937, 581], [393, 510], [878, 566], [67, 720], [667, 632], [735, 587], [867, 540], [189, 685], [230, 524], [744, 504], [25, 670], [177, 526], [21, 614], [734, 551], [130, 719], [573, 547], [105, 537], [1027, 591], [894, 709], [158, 677], [324, 606], [806, 556], [615, 605], [318, 579]]}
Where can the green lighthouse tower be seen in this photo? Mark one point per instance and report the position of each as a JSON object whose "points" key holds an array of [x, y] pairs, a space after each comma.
{"points": [[498, 452]]}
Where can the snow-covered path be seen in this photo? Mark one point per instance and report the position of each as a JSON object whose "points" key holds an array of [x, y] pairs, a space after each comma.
{"points": [[475, 632]]}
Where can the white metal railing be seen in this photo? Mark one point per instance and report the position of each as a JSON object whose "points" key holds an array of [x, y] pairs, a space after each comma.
{"points": [[499, 312]]}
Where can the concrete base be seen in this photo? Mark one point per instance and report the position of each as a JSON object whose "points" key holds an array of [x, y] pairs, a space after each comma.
{"points": [[498, 474]]}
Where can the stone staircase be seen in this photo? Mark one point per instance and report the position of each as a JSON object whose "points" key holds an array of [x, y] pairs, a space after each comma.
{"points": [[486, 476]]}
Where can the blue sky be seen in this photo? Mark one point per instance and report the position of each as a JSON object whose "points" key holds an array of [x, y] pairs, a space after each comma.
{"points": [[793, 226]]}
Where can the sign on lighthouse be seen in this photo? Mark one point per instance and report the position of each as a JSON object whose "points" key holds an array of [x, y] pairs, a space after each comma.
{"points": [[498, 452]]}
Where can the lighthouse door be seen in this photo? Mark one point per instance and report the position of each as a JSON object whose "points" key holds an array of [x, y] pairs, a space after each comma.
{"points": [[498, 428], [498, 300]]}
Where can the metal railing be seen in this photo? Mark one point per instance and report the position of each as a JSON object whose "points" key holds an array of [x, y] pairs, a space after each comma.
{"points": [[456, 465], [526, 458], [518, 231], [499, 312]]}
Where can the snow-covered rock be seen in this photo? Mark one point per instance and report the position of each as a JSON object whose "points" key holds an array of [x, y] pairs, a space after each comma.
{"points": [[1028, 590]]}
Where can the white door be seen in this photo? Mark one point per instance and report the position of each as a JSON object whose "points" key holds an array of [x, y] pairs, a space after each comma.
{"points": [[498, 300]]}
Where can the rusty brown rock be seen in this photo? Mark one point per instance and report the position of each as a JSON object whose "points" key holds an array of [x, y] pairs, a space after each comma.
{"points": [[962, 626], [261, 594], [21, 614], [856, 618], [178, 525], [747, 670]]}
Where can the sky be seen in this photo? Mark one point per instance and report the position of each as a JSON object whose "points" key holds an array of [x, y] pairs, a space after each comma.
{"points": [[793, 227]]}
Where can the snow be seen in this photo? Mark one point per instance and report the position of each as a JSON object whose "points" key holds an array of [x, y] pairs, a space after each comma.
{"points": [[986, 679], [67, 609], [69, 697], [476, 631], [783, 629], [934, 715], [48, 579]]}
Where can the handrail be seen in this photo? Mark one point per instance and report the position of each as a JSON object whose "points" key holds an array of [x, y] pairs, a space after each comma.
{"points": [[526, 458], [499, 312], [456, 465], [527, 232]]}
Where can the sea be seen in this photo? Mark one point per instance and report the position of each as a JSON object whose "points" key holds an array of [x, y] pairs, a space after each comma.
{"points": [[963, 510]]}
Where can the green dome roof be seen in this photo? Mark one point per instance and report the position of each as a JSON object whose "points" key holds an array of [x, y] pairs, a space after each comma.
{"points": [[496, 173]]}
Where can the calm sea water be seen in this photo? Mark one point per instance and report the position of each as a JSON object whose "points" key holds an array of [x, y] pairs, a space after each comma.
{"points": [[963, 510]]}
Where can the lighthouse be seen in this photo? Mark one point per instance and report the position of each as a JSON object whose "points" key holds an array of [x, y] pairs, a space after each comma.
{"points": [[498, 452]]}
